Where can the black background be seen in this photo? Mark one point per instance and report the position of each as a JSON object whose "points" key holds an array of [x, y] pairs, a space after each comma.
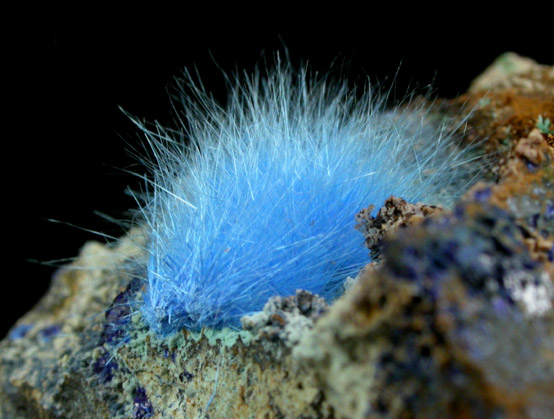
{"points": [[64, 138]]}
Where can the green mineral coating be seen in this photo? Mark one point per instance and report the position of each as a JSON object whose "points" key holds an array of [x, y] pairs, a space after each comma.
{"points": [[506, 62], [484, 101], [140, 336], [139, 341], [137, 318], [505, 141], [226, 337], [548, 175], [130, 385], [176, 340]]}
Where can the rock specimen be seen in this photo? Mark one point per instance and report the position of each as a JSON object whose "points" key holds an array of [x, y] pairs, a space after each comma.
{"points": [[453, 319]]}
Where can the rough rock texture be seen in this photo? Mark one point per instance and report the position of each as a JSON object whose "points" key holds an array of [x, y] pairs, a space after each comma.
{"points": [[510, 71], [395, 214], [443, 327], [455, 319]]}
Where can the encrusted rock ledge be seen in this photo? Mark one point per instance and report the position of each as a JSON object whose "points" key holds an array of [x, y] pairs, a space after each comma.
{"points": [[454, 320]]}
